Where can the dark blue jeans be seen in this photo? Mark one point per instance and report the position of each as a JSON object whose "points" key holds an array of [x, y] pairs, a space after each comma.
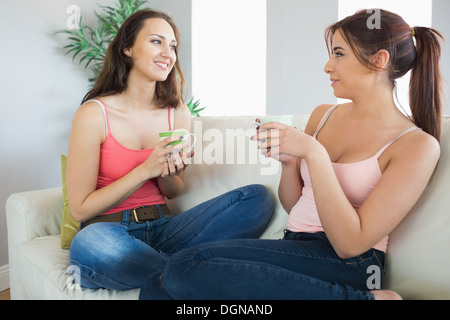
{"points": [[300, 266], [123, 255]]}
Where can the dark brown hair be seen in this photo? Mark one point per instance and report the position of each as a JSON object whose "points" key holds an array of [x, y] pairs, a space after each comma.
{"points": [[113, 76], [397, 37]]}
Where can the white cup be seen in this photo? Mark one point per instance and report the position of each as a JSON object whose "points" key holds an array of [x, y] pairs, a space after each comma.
{"points": [[287, 120]]}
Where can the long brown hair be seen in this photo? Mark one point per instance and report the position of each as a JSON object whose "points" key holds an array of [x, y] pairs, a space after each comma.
{"points": [[113, 76], [397, 37]]}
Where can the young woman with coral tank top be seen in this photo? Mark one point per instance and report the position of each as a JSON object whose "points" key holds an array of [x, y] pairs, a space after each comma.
{"points": [[119, 173]]}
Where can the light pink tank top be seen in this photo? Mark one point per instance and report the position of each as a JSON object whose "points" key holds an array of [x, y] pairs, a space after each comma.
{"points": [[117, 160], [357, 180]]}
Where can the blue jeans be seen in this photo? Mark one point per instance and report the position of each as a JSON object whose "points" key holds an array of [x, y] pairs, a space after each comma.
{"points": [[123, 255], [300, 266]]}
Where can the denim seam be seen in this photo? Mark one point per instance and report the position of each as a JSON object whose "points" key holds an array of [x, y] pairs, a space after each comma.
{"points": [[286, 272], [200, 250], [98, 275], [206, 228]]}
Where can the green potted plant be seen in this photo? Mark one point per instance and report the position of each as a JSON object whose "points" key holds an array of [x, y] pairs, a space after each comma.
{"points": [[90, 44], [194, 107]]}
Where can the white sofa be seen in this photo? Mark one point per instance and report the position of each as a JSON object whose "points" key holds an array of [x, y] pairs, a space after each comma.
{"points": [[418, 255]]}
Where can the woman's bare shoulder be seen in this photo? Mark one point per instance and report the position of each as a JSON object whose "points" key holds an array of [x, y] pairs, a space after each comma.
{"points": [[182, 116], [316, 116], [417, 145], [89, 117]]}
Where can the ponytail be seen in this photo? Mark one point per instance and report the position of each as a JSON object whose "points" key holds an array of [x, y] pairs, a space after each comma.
{"points": [[425, 89]]}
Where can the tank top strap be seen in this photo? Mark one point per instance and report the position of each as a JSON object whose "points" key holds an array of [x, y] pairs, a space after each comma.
{"points": [[387, 145], [171, 118], [324, 119], [105, 114]]}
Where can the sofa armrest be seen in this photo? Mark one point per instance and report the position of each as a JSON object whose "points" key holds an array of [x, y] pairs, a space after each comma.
{"points": [[33, 214], [30, 215]]}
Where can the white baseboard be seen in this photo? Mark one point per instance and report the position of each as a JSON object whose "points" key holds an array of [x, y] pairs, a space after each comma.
{"points": [[4, 277]]}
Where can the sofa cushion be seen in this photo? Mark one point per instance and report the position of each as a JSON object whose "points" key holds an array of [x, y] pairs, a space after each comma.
{"points": [[69, 226], [418, 258], [44, 269], [225, 158]]}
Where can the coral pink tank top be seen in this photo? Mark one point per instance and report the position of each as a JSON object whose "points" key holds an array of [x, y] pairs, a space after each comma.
{"points": [[357, 180], [117, 160]]}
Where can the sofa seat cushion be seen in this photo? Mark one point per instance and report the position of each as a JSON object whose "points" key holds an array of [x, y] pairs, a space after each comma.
{"points": [[226, 159], [44, 267]]}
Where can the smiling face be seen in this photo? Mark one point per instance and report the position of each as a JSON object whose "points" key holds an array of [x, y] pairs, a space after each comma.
{"points": [[349, 77], [154, 51]]}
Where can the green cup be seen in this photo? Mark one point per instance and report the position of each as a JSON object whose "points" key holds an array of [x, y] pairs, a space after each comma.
{"points": [[178, 132]]}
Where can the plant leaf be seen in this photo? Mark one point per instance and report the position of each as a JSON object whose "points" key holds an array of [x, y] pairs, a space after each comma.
{"points": [[90, 43]]}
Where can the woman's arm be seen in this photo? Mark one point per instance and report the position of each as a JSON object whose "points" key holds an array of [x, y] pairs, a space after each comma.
{"points": [[88, 133], [412, 162], [291, 184]]}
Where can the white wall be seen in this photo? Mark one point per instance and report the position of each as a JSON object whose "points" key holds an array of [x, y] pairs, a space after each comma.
{"points": [[297, 54], [441, 12], [229, 56], [41, 89]]}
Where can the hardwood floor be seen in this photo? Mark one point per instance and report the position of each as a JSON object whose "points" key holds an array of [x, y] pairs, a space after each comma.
{"points": [[5, 295]]}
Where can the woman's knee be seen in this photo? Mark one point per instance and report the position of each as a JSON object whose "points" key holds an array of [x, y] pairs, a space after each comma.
{"points": [[261, 203], [261, 197], [95, 241]]}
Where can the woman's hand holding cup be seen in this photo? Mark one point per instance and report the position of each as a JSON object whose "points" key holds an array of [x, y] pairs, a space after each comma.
{"points": [[181, 153], [268, 132], [177, 161], [284, 143], [155, 164]]}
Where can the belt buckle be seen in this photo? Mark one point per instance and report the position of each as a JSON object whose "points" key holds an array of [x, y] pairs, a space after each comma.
{"points": [[135, 214]]}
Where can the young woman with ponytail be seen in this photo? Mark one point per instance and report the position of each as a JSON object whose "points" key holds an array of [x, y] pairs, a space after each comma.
{"points": [[346, 182]]}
